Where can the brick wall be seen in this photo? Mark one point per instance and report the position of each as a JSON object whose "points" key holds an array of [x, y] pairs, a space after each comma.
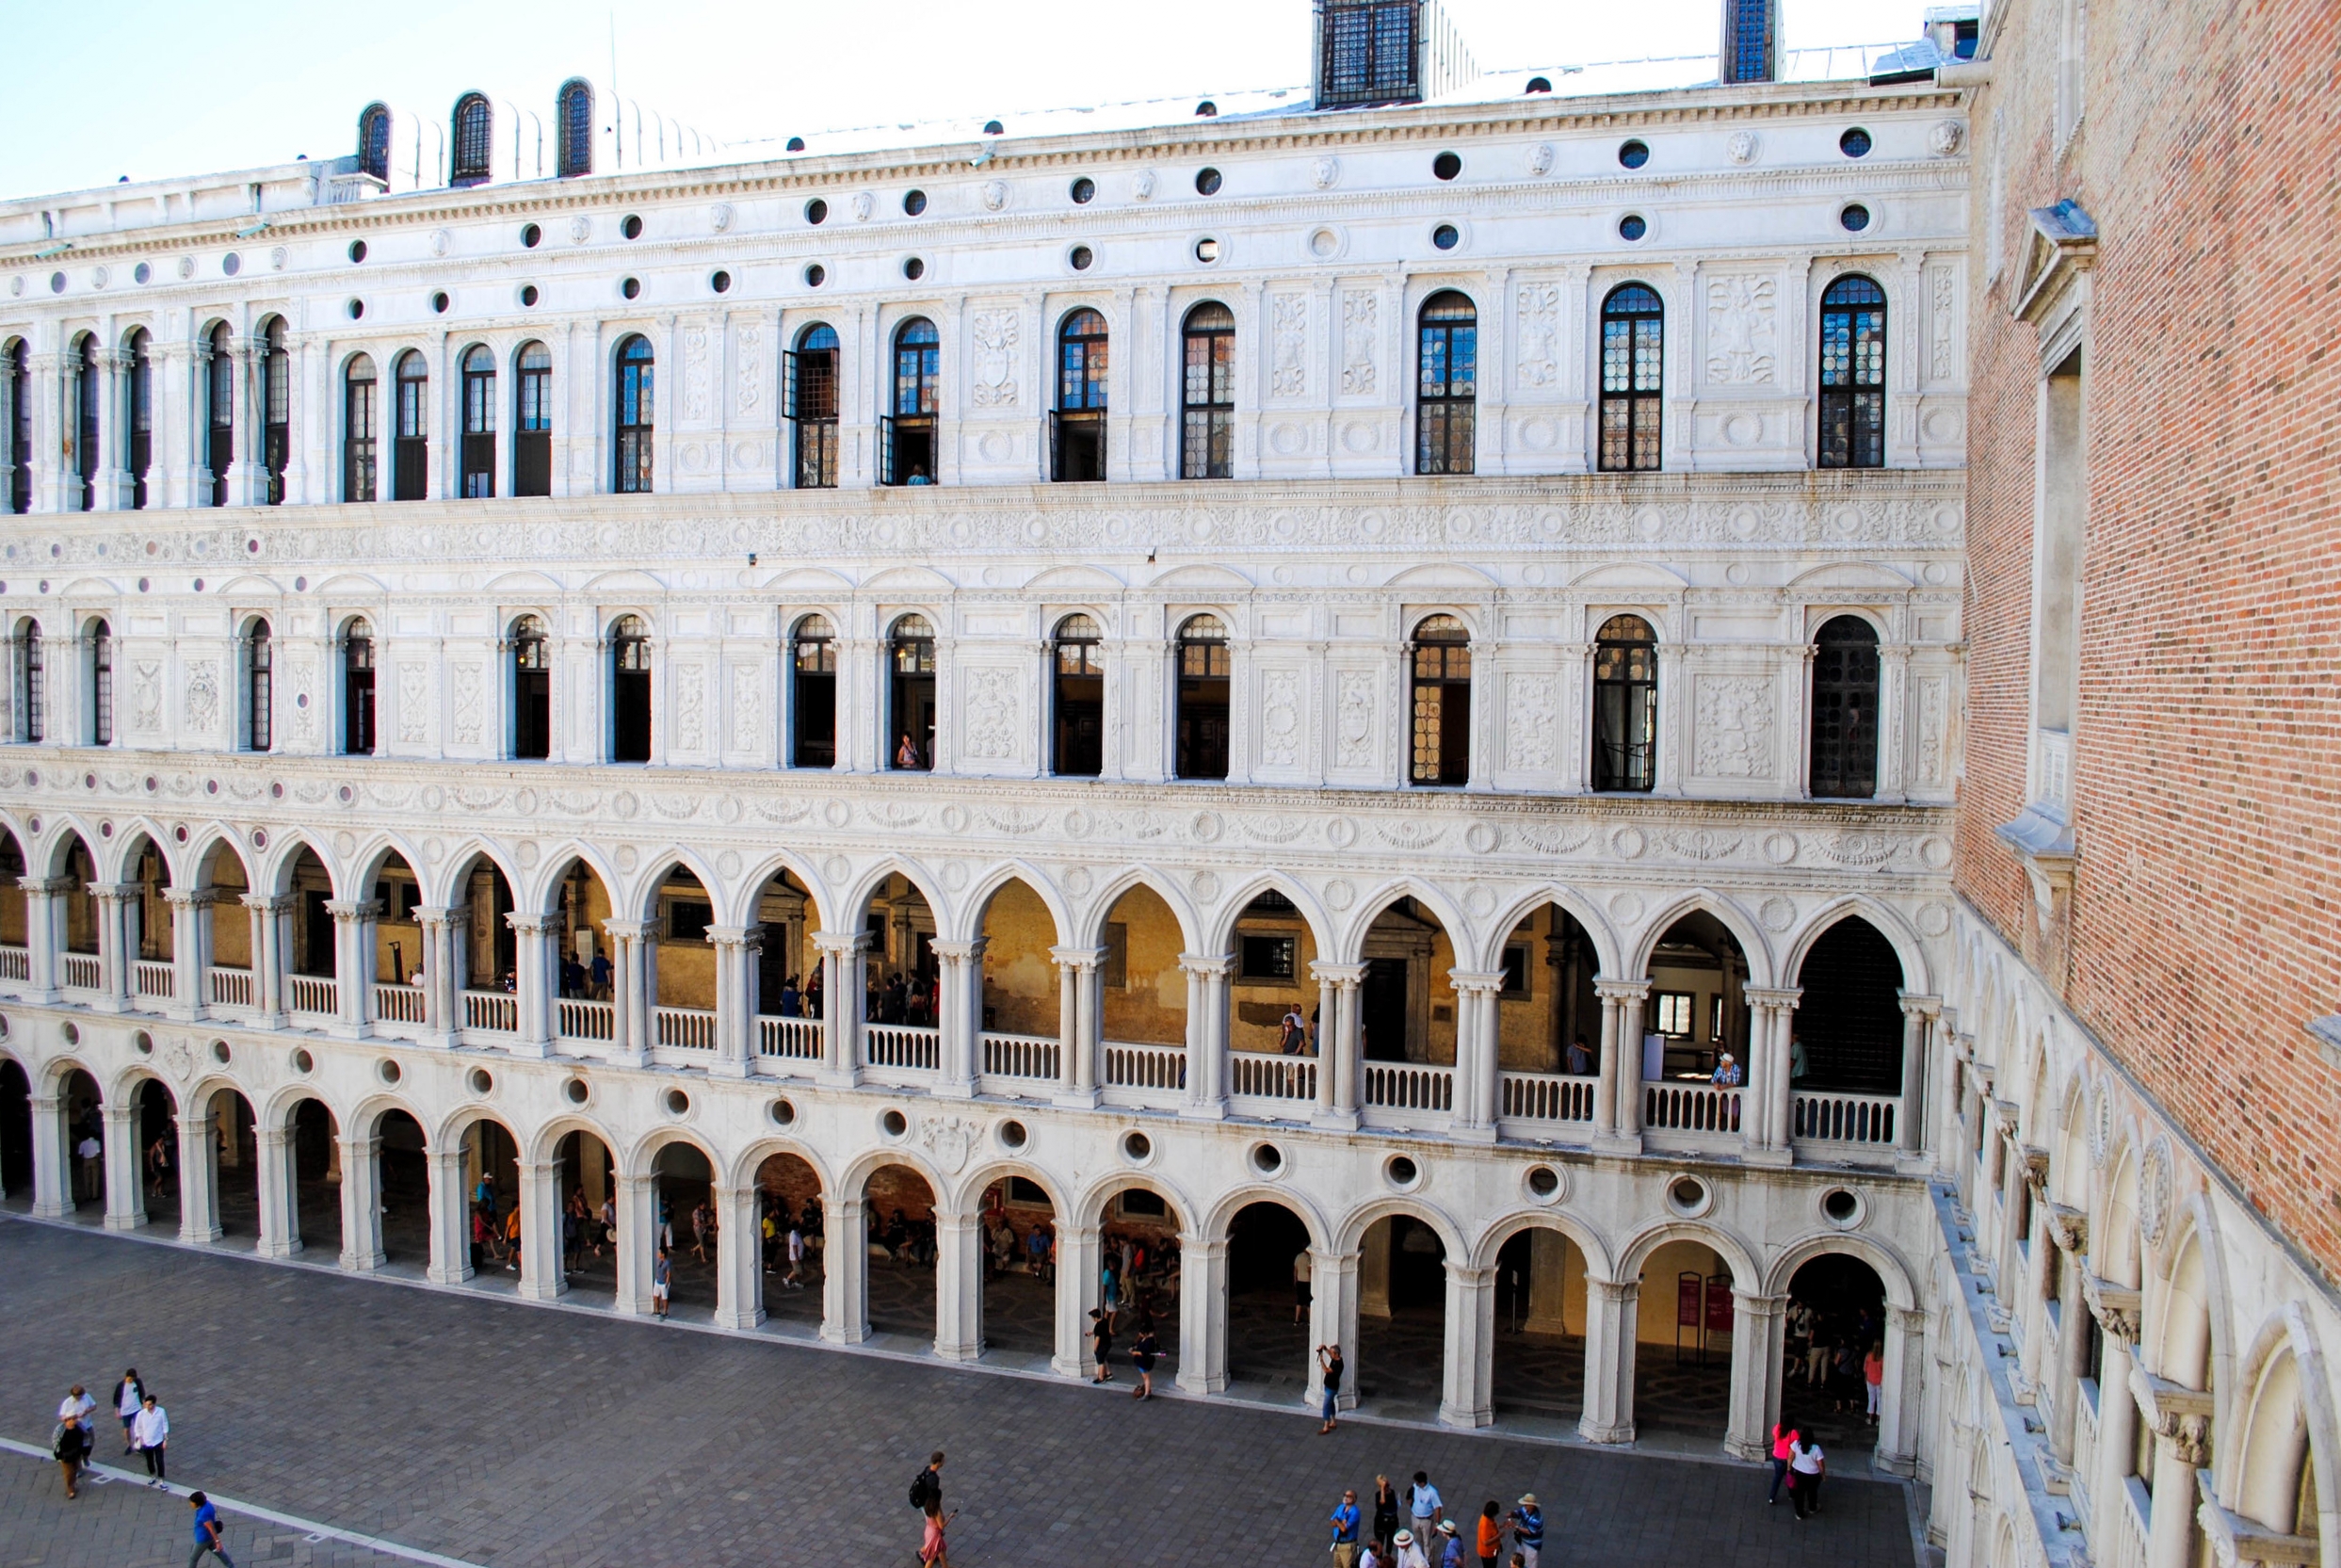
{"points": [[2203, 924]]}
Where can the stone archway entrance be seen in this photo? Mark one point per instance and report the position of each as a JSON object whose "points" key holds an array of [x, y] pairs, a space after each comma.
{"points": [[1019, 1283], [1684, 1325], [1268, 1315], [901, 1245], [1836, 1316], [1401, 1317], [1537, 1371]]}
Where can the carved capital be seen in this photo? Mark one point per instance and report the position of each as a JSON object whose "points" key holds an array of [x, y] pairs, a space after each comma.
{"points": [[748, 939], [2115, 1306], [2069, 1227]]}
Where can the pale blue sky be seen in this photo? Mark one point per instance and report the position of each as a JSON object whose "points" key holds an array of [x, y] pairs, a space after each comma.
{"points": [[158, 88]]}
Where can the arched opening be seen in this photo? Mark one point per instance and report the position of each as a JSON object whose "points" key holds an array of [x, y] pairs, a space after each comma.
{"points": [[910, 698], [1144, 994], [1438, 657], [682, 963], [314, 1154], [357, 662], [359, 416], [532, 689], [1836, 1323], [311, 987], [491, 1192], [410, 447], [275, 409], [1548, 1018], [1274, 1028], [1537, 1370], [1684, 1320], [532, 420], [573, 109], [1078, 425], [374, 142], [788, 974], [235, 1165], [81, 1111], [1853, 374], [484, 961], [155, 1128], [228, 927], [258, 657], [899, 1216], [32, 683], [1633, 378], [1207, 394], [1020, 1011], [1204, 669], [398, 955], [813, 693], [587, 1181], [811, 406], [1625, 705], [89, 397], [12, 906], [1016, 1231], [788, 1195], [1845, 709], [1406, 1004], [899, 977], [1447, 384], [1694, 1045], [148, 937], [630, 690], [472, 141], [478, 478], [16, 1131], [139, 400], [907, 434], [635, 416], [16, 381], [586, 1012], [219, 410], [97, 683], [1269, 1288], [1402, 1316], [78, 965], [1848, 1037], [402, 1190], [1079, 699]]}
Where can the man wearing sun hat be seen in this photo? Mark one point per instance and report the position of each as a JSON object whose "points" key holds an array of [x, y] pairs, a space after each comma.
{"points": [[1409, 1554], [1529, 1530]]}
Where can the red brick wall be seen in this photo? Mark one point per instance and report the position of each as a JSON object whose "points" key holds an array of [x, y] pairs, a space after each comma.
{"points": [[2203, 929]]}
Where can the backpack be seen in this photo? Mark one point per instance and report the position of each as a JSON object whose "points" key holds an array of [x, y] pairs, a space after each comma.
{"points": [[922, 1490]]}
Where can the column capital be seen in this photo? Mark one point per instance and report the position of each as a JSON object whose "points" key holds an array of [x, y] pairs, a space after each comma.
{"points": [[961, 949], [1470, 1277], [630, 931], [353, 911], [1756, 1304], [270, 903], [841, 942], [529, 922], [1078, 958], [1783, 996], [1620, 991], [2117, 1307], [186, 897], [429, 915], [108, 893], [1207, 965], [1909, 1320], [2070, 1226], [360, 1148], [47, 888], [1623, 1291], [1338, 974], [1483, 982], [749, 938], [1916, 1005]]}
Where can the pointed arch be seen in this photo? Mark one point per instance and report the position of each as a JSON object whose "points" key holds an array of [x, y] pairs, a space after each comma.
{"points": [[1090, 927], [1893, 1270], [662, 866], [1089, 1204], [743, 902], [276, 872], [855, 902], [453, 872], [1489, 953], [1746, 930], [1371, 905], [1889, 924], [988, 886], [1219, 933], [541, 895]]}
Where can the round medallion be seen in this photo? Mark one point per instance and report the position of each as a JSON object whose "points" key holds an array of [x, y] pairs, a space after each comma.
{"points": [[1778, 914], [837, 869], [1626, 907], [1339, 895]]}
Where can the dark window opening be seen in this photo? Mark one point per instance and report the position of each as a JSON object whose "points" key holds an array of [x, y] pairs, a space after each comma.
{"points": [[532, 422], [1446, 385], [139, 448], [87, 397], [480, 423], [1850, 1016], [908, 434], [1625, 705], [911, 712], [1845, 710], [1267, 957], [358, 430], [811, 407], [1853, 375], [19, 428], [635, 416], [1080, 699], [220, 413], [1441, 657], [576, 130], [374, 143], [358, 689], [532, 691], [259, 688], [409, 444], [1207, 395], [1078, 449], [472, 141], [813, 662], [276, 411], [100, 683], [1368, 53], [1203, 724], [1633, 378], [32, 686], [630, 690]]}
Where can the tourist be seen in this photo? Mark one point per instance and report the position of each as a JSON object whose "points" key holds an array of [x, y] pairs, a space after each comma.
{"points": [[482, 1239], [70, 1445], [1144, 1351], [662, 1280], [608, 1232], [1410, 1550], [1385, 1510], [573, 1231], [1102, 1343], [1580, 1057], [92, 1155], [1329, 1360], [1450, 1544], [129, 1395], [601, 971], [1817, 1355], [1806, 1465], [1874, 1379], [1292, 1032], [1369, 1555], [1037, 1254], [1424, 1507], [1110, 1288], [1490, 1541], [1796, 1059], [207, 1534], [76, 1404], [906, 755], [795, 1278], [698, 1230], [157, 1165], [1784, 1440], [150, 1432], [1528, 1531], [792, 999], [512, 1239], [1300, 1286], [927, 1495], [1727, 1071], [1345, 1522]]}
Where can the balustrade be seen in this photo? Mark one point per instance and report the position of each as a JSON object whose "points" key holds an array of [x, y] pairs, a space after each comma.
{"points": [[313, 993], [1690, 1107], [158, 980], [1129, 1065], [230, 988], [1021, 1056], [83, 971], [1548, 1097], [790, 1039], [584, 1020], [902, 1046], [1271, 1078], [1847, 1118], [399, 1004], [689, 1028], [495, 1012], [1409, 1085], [16, 963]]}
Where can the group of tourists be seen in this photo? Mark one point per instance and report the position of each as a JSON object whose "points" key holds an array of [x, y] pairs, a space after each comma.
{"points": [[145, 1431], [1839, 1355], [1411, 1527]]}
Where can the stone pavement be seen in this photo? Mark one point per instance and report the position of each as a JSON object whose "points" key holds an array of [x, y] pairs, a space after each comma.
{"points": [[470, 1425]]}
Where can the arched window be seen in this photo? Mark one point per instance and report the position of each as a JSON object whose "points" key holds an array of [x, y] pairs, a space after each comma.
{"points": [[532, 421], [17, 384], [1845, 709], [138, 404], [358, 426], [812, 407], [409, 444], [1626, 704], [88, 398], [32, 683], [636, 413], [1633, 378], [1080, 694], [219, 413], [357, 653], [100, 683], [259, 688], [576, 130], [1853, 374], [1441, 659], [1203, 670], [276, 404], [473, 136], [911, 712], [1079, 446], [1447, 384], [630, 690], [907, 455], [532, 691], [1207, 395], [813, 696], [479, 421], [374, 142]]}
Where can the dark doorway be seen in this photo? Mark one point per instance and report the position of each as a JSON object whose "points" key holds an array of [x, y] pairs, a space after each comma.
{"points": [[16, 1132], [899, 1213], [1019, 1294], [1267, 1305], [1539, 1354], [1383, 1009], [402, 1179], [1836, 1319], [316, 1177], [683, 1222], [1401, 1314], [156, 1130]]}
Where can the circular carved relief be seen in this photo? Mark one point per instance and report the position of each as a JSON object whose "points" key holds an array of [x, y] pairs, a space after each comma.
{"points": [[1780, 849], [1287, 438], [1540, 158], [580, 229], [1326, 172], [622, 805], [1341, 833], [1742, 147], [1946, 138], [837, 869], [345, 842], [994, 195], [1205, 827], [1077, 882], [1626, 906], [440, 240], [527, 855], [1142, 184], [729, 863], [627, 857], [955, 875], [836, 813], [1480, 838], [1339, 894], [1539, 435], [1936, 852], [994, 446], [1206, 886], [719, 217], [864, 205], [1361, 435], [1077, 823], [1778, 914], [1479, 901], [1626, 843], [955, 818], [1736, 574], [2154, 1193], [1934, 919]]}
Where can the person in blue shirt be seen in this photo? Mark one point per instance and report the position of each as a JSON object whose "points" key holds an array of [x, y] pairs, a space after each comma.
{"points": [[1727, 1071], [208, 1538], [1345, 1522], [1529, 1530]]}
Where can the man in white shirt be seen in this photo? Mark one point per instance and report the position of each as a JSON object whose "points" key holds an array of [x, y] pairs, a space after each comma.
{"points": [[151, 1430], [1423, 1506], [92, 1155], [795, 1278], [76, 1405]]}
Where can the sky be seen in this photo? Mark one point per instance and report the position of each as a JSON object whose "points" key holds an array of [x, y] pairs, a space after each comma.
{"points": [[153, 89]]}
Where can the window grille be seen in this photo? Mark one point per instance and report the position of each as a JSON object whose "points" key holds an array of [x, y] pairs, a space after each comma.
{"points": [[1747, 53], [19, 428], [32, 692], [811, 405], [1446, 385], [1441, 659], [410, 445], [634, 414], [479, 421], [576, 117], [1845, 710], [1207, 436], [532, 691], [909, 431], [1633, 378], [358, 689], [1626, 704], [374, 143], [1369, 52], [100, 683], [259, 688], [532, 422], [358, 426], [1853, 375], [473, 140], [139, 448]]}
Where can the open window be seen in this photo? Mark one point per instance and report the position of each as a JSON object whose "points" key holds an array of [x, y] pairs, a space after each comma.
{"points": [[1078, 447], [138, 442], [1625, 705], [811, 406], [357, 661], [479, 421], [1080, 699], [910, 711], [218, 411], [1440, 659], [1203, 716], [410, 444], [907, 436], [532, 421], [813, 696], [630, 690], [532, 691]]}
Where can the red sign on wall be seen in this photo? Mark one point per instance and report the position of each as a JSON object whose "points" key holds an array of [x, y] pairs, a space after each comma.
{"points": [[1719, 1305], [1686, 1301]]}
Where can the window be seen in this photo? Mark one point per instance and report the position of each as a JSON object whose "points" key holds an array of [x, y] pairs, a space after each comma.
{"points": [[358, 428], [1368, 53], [1626, 704], [1267, 957], [811, 406], [479, 421], [532, 422], [1204, 669], [813, 664], [1080, 752], [1674, 1012], [1853, 375], [1633, 378], [1845, 709], [636, 394], [219, 413], [18, 385], [374, 143], [1441, 657], [86, 396], [1079, 447], [1114, 972], [276, 404], [532, 691], [1447, 384], [138, 448], [911, 713], [32, 685], [410, 441], [101, 685], [358, 688], [472, 141], [1207, 398], [908, 435], [259, 688], [630, 690], [1747, 53], [1515, 970], [576, 130]]}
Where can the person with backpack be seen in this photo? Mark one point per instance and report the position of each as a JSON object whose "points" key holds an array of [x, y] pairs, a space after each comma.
{"points": [[129, 1395], [207, 1534], [927, 1496], [69, 1446]]}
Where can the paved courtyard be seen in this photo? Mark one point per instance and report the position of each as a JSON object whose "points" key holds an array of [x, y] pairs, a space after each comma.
{"points": [[466, 1424]]}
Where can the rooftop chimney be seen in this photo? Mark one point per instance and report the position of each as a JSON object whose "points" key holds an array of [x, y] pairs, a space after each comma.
{"points": [[1751, 40], [1371, 51]]}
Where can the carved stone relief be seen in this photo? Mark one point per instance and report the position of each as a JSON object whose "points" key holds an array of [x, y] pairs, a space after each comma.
{"points": [[203, 695], [413, 704], [1742, 330], [698, 375], [1735, 719], [1289, 374], [690, 708], [747, 709], [1359, 315], [1353, 719], [993, 721], [1532, 720], [748, 373], [1943, 302], [1539, 334], [1280, 718], [146, 695], [995, 333], [467, 679]]}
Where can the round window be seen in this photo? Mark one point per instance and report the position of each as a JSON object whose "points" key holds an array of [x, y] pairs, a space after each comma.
{"points": [[783, 1113], [913, 202], [303, 1062], [439, 302], [1137, 1148], [631, 288], [576, 1091], [1446, 166], [1402, 1172], [481, 1081], [357, 250], [721, 282], [143, 1043], [1687, 1195], [357, 309], [1446, 236], [632, 227], [388, 1071], [815, 275], [1268, 1158], [676, 1102], [1854, 143], [816, 212], [1632, 154], [531, 237], [893, 1123], [1207, 181], [1081, 258], [1084, 191], [1014, 1135], [1855, 217], [1632, 227], [1841, 1206], [1207, 250], [913, 268], [221, 1053], [529, 295], [1544, 1183]]}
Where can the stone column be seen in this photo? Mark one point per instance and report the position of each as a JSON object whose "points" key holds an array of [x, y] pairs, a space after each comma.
{"points": [[536, 985], [960, 1023], [125, 1194], [1206, 1038], [44, 933], [1203, 1314], [543, 1271], [633, 1027], [737, 950], [1901, 1401], [2181, 1418], [1758, 1325], [442, 984], [450, 1216], [1613, 1320], [270, 913], [1077, 1024], [115, 491], [1337, 1051], [190, 951], [117, 957], [1918, 1017], [844, 1269], [1766, 1121], [1322, 1036], [2117, 1410], [1333, 1320], [1476, 1052], [353, 964], [1618, 1100], [1077, 1262], [53, 1174], [845, 962], [739, 1258], [638, 1241], [1466, 1398], [280, 1193], [199, 1178], [958, 1287], [361, 1205]]}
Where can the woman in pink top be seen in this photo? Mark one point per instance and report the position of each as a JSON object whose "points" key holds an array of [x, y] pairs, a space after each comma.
{"points": [[1783, 1441], [1874, 1375]]}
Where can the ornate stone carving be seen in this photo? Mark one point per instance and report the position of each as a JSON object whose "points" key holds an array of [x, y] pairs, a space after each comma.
{"points": [[1934, 702], [2154, 1201], [413, 703], [1142, 184], [1288, 376], [1280, 718], [467, 679], [1742, 148], [698, 375], [1943, 302], [1358, 317], [994, 334], [1326, 172], [1540, 158], [203, 695], [748, 368], [1735, 718], [948, 1139], [994, 194], [146, 695], [690, 708], [1946, 138], [992, 715], [1539, 334], [1742, 330], [1532, 720], [747, 709], [1353, 719]]}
